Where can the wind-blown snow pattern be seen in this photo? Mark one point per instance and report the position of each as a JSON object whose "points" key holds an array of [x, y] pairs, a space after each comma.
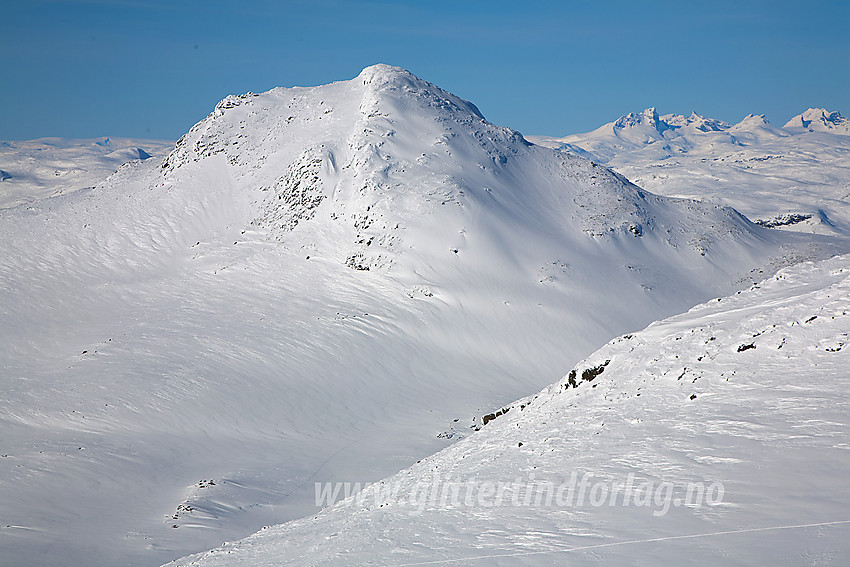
{"points": [[792, 178], [745, 397], [314, 284]]}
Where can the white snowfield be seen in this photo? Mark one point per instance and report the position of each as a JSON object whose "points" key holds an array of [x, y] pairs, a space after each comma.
{"points": [[794, 178], [317, 284], [745, 400], [37, 169]]}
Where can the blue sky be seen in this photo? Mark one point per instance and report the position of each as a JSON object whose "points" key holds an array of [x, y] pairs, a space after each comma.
{"points": [[151, 68]]}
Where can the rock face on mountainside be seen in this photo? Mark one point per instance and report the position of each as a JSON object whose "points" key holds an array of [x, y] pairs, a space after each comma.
{"points": [[312, 286]]}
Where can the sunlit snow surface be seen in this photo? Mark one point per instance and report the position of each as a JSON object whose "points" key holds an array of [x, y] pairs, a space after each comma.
{"points": [[312, 287], [750, 392]]}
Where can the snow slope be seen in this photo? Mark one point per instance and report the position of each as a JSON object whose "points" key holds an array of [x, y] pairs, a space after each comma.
{"points": [[36, 169], [794, 178], [746, 397], [314, 283]]}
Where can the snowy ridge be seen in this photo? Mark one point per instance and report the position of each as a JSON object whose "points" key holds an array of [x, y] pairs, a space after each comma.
{"points": [[770, 174], [747, 395], [314, 284]]}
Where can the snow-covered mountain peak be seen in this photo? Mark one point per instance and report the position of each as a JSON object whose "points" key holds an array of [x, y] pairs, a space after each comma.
{"points": [[386, 83], [752, 120], [378, 159], [358, 112], [820, 120], [755, 129], [338, 150], [649, 117], [706, 124], [381, 74]]}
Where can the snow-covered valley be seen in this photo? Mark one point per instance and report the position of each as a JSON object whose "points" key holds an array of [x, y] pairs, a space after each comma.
{"points": [[330, 283]]}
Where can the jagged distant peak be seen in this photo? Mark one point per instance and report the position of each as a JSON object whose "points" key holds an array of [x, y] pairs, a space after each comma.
{"points": [[820, 120], [650, 113], [706, 124], [675, 120], [649, 116], [694, 120]]}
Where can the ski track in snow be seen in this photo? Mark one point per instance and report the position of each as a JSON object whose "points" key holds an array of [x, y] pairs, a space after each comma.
{"points": [[632, 542]]}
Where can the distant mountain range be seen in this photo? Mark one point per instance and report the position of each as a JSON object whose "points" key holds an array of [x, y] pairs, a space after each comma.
{"points": [[796, 177], [678, 134]]}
